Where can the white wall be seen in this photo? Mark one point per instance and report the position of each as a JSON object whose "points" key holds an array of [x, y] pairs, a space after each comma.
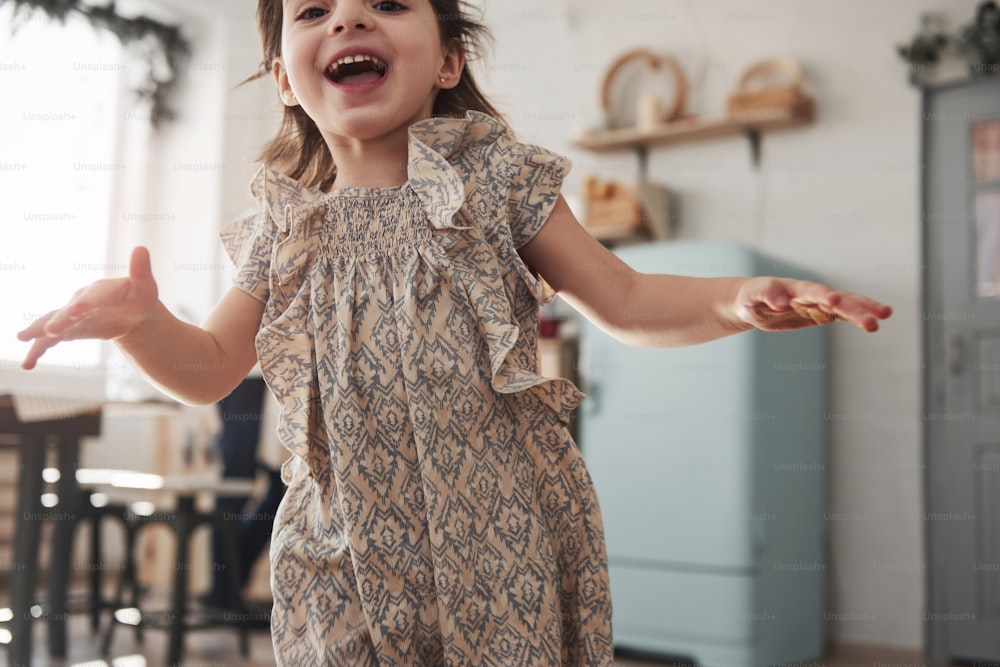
{"points": [[204, 160], [840, 196]]}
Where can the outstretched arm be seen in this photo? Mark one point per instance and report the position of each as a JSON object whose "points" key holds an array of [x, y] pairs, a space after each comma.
{"points": [[197, 365], [656, 310]]}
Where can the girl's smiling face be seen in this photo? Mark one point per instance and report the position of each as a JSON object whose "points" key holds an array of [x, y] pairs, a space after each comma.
{"points": [[362, 69]]}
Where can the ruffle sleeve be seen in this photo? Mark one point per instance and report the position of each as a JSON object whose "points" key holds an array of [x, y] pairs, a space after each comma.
{"points": [[510, 187], [491, 194], [272, 253], [248, 241], [536, 178]]}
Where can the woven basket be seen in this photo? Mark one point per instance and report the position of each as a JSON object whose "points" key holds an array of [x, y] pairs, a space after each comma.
{"points": [[772, 84]]}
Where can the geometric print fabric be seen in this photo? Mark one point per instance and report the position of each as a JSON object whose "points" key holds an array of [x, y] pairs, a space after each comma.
{"points": [[438, 512]]}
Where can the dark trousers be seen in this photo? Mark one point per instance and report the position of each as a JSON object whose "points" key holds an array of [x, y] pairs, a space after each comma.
{"points": [[241, 414]]}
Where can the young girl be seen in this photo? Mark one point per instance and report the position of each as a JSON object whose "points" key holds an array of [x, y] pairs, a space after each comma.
{"points": [[438, 512]]}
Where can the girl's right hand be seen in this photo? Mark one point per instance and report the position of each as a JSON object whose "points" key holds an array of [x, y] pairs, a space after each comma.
{"points": [[107, 309]]}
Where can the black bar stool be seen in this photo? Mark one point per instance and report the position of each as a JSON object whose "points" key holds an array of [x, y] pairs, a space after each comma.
{"points": [[183, 519]]}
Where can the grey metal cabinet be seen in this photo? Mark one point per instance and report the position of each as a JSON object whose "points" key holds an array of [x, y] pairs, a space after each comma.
{"points": [[961, 323]]}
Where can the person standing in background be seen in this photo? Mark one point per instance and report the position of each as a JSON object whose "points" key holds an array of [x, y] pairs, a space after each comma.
{"points": [[247, 443]]}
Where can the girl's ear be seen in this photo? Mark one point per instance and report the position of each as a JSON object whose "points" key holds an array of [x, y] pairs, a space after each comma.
{"points": [[281, 82], [454, 63]]}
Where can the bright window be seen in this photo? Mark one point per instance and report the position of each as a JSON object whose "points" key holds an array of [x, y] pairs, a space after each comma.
{"points": [[58, 144]]}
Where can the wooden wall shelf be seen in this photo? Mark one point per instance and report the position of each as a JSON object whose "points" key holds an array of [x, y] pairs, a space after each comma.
{"points": [[695, 129], [749, 124]]}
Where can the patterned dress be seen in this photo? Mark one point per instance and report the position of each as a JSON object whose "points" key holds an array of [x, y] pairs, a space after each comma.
{"points": [[438, 512]]}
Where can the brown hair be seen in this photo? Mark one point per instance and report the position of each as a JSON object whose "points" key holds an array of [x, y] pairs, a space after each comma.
{"points": [[299, 150]]}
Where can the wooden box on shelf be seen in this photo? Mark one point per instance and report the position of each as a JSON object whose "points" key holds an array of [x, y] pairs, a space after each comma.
{"points": [[780, 99], [615, 211], [772, 84]]}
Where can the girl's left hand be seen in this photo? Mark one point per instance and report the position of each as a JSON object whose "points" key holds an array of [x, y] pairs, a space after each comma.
{"points": [[783, 304]]}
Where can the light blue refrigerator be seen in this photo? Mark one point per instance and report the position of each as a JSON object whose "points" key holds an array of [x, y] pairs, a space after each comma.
{"points": [[709, 463]]}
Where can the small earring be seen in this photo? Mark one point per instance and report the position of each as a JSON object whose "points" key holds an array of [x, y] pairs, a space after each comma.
{"points": [[443, 80]]}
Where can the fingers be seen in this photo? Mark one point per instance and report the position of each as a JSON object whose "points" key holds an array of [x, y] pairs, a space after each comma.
{"points": [[63, 319], [784, 304], [814, 313], [38, 348], [859, 310], [782, 294], [36, 332], [139, 268], [790, 304], [776, 296], [46, 332], [822, 305], [36, 328], [862, 311], [880, 310], [105, 309]]}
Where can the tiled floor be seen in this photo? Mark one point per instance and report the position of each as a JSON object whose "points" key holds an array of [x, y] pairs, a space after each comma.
{"points": [[220, 649]]}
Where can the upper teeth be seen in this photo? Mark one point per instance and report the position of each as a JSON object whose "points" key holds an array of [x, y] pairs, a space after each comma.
{"points": [[347, 60]]}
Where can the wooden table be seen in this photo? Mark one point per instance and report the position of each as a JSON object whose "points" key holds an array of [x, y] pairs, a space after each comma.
{"points": [[33, 438]]}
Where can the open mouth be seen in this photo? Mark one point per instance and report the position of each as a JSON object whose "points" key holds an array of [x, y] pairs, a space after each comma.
{"points": [[356, 70]]}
